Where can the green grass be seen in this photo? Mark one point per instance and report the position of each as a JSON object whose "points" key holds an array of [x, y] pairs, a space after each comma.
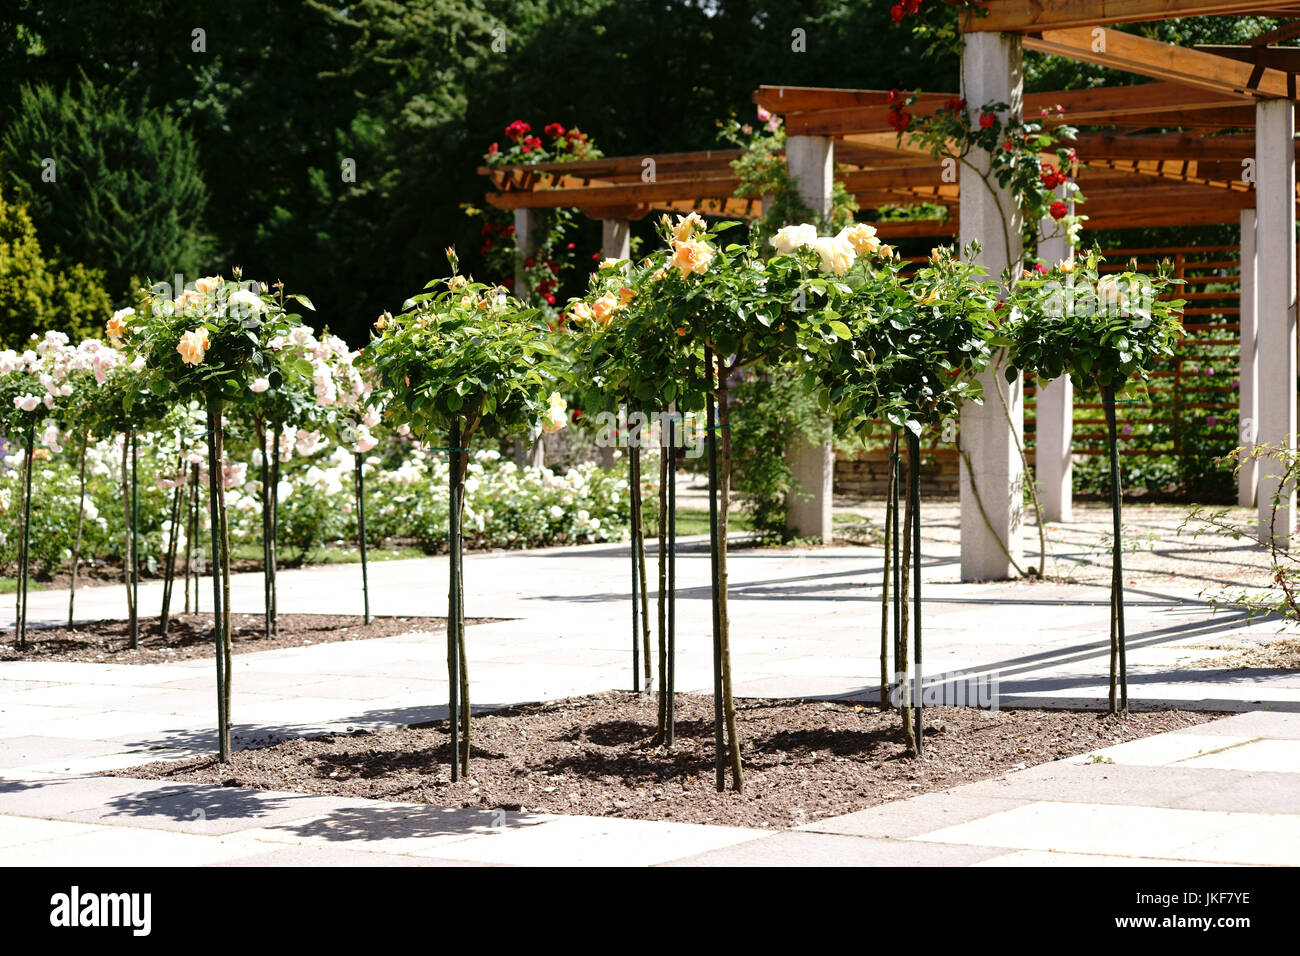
{"points": [[696, 521], [332, 554], [10, 586]]}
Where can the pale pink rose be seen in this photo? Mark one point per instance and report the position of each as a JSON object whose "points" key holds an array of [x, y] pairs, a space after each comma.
{"points": [[260, 385]]}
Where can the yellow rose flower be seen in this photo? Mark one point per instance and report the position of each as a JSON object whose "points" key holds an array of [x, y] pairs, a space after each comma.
{"points": [[626, 295], [602, 310], [581, 312], [837, 254], [456, 282], [210, 284], [687, 226], [862, 237], [1066, 266], [691, 256], [557, 414], [790, 238], [117, 327], [193, 346]]}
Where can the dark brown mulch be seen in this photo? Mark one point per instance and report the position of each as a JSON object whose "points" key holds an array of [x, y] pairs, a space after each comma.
{"points": [[189, 636], [593, 755]]}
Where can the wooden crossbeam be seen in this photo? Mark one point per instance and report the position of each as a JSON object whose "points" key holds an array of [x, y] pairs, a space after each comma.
{"points": [[1162, 61], [1026, 16], [795, 99], [1080, 106]]}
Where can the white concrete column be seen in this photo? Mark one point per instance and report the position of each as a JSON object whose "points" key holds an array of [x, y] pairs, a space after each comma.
{"points": [[1275, 298], [811, 162], [525, 246], [1247, 381], [1054, 415], [992, 488], [615, 238]]}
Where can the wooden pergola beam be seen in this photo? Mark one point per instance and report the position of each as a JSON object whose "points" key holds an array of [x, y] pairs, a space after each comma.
{"points": [[1163, 61], [1028, 16], [1080, 106]]}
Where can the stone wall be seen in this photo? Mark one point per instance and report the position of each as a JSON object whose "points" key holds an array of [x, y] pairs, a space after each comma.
{"points": [[867, 475]]}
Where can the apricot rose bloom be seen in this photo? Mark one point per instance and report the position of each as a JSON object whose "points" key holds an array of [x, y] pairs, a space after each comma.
{"points": [[116, 327], [687, 226], [862, 237], [602, 309], [836, 253], [209, 284], [193, 346], [790, 238], [557, 414], [690, 256], [581, 312]]}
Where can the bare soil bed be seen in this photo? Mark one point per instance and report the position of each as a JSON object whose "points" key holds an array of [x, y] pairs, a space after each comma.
{"points": [[594, 755], [189, 636]]}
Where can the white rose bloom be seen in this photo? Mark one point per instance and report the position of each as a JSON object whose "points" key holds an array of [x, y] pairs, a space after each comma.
{"points": [[790, 238]]}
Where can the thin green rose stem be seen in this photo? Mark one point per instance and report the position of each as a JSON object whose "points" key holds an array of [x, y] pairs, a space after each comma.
{"points": [[169, 572], [671, 726], [218, 620], [135, 539], [719, 745], [724, 503], [904, 662], [266, 529], [227, 635], [361, 534], [192, 541], [81, 515], [276, 429], [884, 581], [914, 466], [636, 584], [24, 554], [1117, 641], [638, 505], [661, 733], [894, 481], [126, 523], [453, 589]]}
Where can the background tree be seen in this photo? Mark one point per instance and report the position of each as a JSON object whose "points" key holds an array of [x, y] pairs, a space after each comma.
{"points": [[38, 294], [110, 180]]}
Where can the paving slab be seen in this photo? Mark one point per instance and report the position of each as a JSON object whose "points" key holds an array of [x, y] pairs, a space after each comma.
{"points": [[1094, 828], [383, 827], [123, 846], [801, 848], [926, 813], [595, 841]]}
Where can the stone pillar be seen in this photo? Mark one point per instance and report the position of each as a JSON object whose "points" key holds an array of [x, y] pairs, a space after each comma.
{"points": [[615, 238], [1275, 299], [615, 243], [992, 487], [1054, 416], [808, 506], [1247, 359], [525, 246]]}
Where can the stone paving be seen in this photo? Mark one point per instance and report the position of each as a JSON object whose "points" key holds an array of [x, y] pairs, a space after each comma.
{"points": [[805, 623]]}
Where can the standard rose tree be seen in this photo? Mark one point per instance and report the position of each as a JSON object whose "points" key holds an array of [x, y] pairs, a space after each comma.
{"points": [[627, 354], [34, 385], [735, 306], [210, 342], [461, 359], [914, 347], [1104, 331]]}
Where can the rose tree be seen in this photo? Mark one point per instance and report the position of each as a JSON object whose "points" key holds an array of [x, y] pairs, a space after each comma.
{"points": [[462, 359], [915, 346], [737, 308], [210, 342], [1104, 331]]}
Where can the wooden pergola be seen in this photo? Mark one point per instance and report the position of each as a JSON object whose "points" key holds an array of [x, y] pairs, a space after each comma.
{"points": [[1206, 138]]}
